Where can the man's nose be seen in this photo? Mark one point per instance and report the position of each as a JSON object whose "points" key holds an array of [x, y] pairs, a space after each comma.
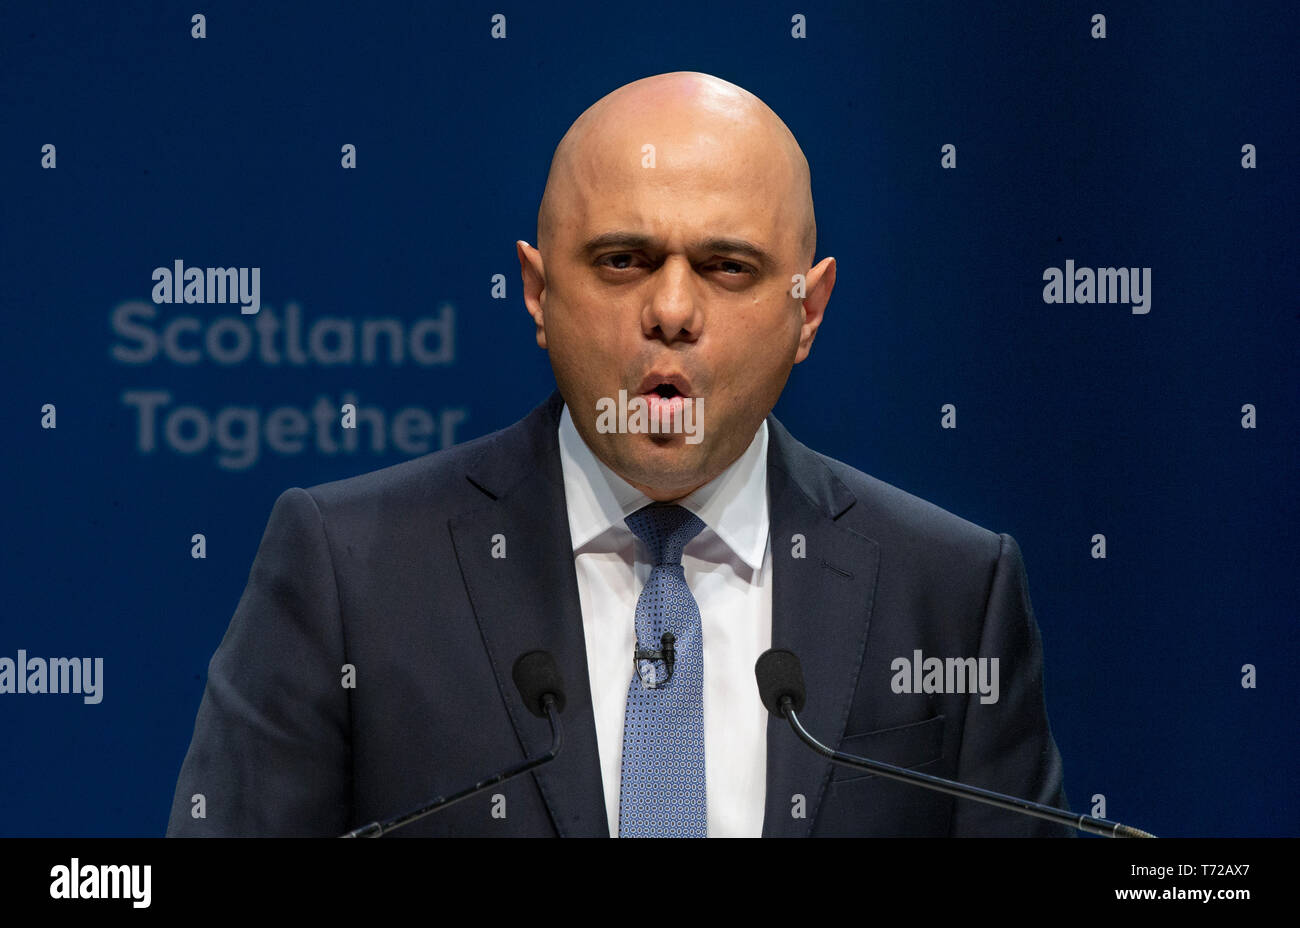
{"points": [[672, 311]]}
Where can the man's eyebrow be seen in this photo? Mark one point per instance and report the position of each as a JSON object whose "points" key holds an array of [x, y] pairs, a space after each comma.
{"points": [[636, 241], [632, 241], [739, 246]]}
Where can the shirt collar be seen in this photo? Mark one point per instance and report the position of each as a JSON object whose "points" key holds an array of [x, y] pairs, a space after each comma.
{"points": [[733, 504]]}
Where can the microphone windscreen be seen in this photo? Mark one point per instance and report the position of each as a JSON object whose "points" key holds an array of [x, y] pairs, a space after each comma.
{"points": [[536, 675], [779, 674]]}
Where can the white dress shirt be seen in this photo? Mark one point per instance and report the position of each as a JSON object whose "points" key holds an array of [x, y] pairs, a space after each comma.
{"points": [[728, 567]]}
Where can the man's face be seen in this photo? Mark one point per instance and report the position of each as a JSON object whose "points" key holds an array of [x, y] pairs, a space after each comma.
{"points": [[674, 279]]}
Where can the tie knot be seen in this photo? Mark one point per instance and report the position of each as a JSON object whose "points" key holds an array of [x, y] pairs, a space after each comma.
{"points": [[665, 529]]}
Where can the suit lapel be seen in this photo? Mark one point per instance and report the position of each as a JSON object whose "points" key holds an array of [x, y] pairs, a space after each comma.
{"points": [[528, 600], [821, 609]]}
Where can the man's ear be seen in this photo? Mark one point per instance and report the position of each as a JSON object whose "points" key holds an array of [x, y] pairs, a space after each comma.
{"points": [[821, 281], [534, 278]]}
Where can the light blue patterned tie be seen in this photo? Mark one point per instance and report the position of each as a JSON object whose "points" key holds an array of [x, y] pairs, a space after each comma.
{"points": [[662, 794]]}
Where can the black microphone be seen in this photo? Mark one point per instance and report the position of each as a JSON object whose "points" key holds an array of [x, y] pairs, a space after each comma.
{"points": [[780, 684], [780, 677], [667, 653], [542, 688], [538, 679]]}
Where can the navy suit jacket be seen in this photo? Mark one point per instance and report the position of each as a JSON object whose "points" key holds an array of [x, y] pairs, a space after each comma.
{"points": [[393, 573]]}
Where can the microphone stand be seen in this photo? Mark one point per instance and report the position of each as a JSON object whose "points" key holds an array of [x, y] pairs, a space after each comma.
{"points": [[1096, 826], [378, 829]]}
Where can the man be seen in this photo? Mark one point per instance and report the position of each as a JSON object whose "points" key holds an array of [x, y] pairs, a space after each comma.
{"points": [[672, 276]]}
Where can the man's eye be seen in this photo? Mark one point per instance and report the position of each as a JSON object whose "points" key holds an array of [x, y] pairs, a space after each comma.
{"points": [[618, 262], [733, 268]]}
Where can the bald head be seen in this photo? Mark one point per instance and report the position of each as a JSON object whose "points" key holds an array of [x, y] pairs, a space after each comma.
{"points": [[673, 266], [675, 112]]}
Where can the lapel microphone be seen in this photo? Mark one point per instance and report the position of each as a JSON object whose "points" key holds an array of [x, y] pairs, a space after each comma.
{"points": [[666, 653]]}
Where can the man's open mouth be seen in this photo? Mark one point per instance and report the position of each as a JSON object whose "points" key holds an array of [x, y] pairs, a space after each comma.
{"points": [[664, 385]]}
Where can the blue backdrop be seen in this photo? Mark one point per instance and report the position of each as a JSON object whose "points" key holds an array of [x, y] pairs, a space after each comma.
{"points": [[1073, 419]]}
